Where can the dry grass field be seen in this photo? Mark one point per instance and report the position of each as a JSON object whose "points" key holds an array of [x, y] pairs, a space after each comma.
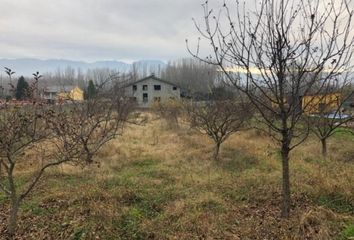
{"points": [[160, 183]]}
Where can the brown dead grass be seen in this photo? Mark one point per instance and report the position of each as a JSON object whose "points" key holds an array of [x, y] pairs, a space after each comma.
{"points": [[158, 183]]}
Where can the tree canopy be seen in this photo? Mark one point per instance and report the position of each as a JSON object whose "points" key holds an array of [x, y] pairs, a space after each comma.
{"points": [[91, 90], [22, 89]]}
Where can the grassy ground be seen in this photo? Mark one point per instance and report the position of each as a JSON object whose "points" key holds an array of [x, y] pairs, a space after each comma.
{"points": [[159, 183]]}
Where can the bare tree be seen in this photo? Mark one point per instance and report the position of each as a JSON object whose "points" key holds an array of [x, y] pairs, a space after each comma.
{"points": [[9, 73], [93, 123], [329, 114], [70, 133], [275, 51], [21, 129], [170, 111], [191, 74], [219, 119], [34, 93]]}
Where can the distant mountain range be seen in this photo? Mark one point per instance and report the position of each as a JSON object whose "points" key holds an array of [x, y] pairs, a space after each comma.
{"points": [[27, 66]]}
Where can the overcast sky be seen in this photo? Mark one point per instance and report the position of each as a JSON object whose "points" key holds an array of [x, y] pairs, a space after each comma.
{"points": [[93, 30]]}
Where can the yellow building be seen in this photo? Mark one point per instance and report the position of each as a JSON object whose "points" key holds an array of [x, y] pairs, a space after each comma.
{"points": [[62, 93], [75, 94], [321, 103]]}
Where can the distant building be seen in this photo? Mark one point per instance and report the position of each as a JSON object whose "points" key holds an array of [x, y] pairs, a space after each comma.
{"points": [[61, 93], [321, 103], [316, 103], [151, 89]]}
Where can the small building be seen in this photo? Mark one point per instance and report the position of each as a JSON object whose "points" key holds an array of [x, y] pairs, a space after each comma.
{"points": [[321, 103], [151, 89], [314, 104], [62, 93]]}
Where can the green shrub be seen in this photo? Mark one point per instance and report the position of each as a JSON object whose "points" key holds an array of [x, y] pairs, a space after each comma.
{"points": [[337, 202], [348, 232]]}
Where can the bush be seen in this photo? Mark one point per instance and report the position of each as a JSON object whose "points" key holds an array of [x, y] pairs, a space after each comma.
{"points": [[170, 111]]}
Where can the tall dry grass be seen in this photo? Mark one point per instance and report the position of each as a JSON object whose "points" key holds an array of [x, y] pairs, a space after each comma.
{"points": [[160, 183]]}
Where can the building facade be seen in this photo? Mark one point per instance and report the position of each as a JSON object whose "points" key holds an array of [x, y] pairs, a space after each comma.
{"points": [[321, 103], [145, 92]]}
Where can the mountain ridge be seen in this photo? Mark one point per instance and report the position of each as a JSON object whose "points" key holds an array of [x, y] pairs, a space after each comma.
{"points": [[27, 66]]}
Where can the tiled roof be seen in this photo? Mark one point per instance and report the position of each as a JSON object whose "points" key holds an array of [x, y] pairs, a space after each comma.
{"points": [[151, 77]]}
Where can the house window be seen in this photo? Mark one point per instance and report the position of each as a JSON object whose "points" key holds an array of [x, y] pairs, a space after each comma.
{"points": [[157, 87], [145, 87], [157, 99], [145, 97], [174, 88], [135, 88]]}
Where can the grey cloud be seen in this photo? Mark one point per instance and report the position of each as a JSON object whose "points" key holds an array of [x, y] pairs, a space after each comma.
{"points": [[100, 29], [97, 29]]}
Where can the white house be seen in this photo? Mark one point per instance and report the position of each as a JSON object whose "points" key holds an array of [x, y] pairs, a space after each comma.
{"points": [[151, 89]]}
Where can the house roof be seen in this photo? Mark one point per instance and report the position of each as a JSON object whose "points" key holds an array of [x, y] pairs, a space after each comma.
{"points": [[151, 77], [57, 89]]}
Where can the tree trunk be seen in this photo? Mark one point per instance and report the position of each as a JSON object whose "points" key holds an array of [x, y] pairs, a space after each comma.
{"points": [[12, 223], [324, 147], [286, 181], [15, 203], [216, 152]]}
